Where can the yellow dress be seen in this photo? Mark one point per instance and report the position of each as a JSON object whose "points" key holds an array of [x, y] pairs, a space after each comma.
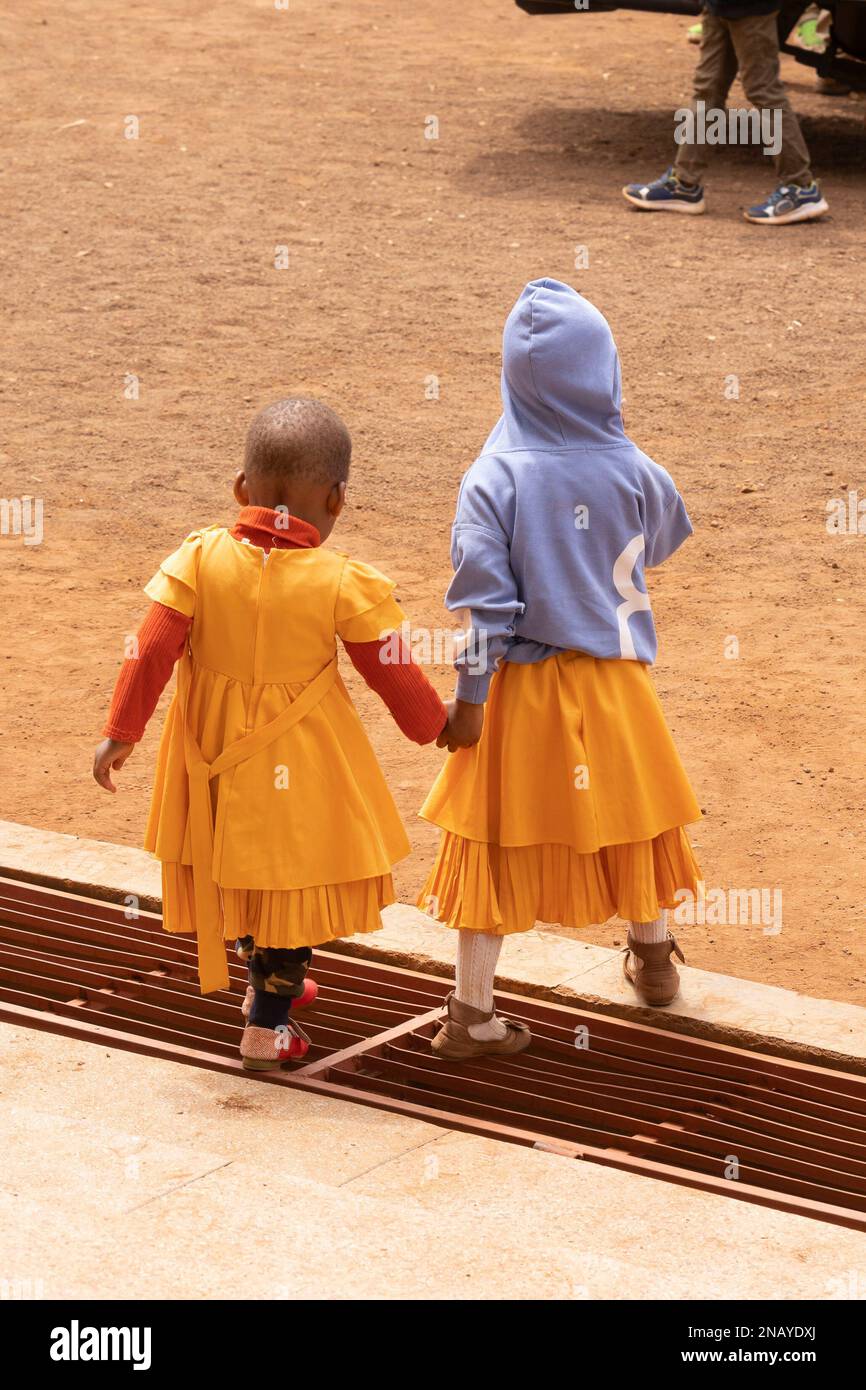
{"points": [[270, 813], [571, 808]]}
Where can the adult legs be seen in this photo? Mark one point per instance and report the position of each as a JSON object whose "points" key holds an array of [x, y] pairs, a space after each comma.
{"points": [[756, 44], [716, 70]]}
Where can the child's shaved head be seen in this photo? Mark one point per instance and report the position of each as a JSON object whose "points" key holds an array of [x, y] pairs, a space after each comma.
{"points": [[298, 439]]}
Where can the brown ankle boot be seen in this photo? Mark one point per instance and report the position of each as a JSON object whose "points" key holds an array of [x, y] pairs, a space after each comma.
{"points": [[456, 1043], [648, 966]]}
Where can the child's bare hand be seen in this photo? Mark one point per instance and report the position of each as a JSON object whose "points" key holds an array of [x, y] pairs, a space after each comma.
{"points": [[110, 754], [464, 726]]}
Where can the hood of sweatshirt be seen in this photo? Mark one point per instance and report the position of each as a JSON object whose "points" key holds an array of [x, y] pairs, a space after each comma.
{"points": [[560, 374]]}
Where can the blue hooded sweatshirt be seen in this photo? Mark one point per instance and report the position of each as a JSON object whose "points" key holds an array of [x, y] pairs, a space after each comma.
{"points": [[560, 513]]}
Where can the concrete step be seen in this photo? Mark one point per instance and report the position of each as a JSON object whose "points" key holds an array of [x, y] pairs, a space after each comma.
{"points": [[126, 1176]]}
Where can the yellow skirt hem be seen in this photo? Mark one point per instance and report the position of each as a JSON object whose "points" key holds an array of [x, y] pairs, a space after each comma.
{"points": [[503, 890], [282, 919], [636, 835]]}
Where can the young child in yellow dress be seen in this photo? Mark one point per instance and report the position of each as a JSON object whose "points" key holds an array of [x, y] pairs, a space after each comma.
{"points": [[564, 799], [270, 814]]}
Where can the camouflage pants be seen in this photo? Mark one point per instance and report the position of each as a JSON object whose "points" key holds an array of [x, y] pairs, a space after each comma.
{"points": [[275, 971]]}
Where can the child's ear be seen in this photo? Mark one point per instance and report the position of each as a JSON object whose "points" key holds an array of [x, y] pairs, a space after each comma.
{"points": [[241, 491], [336, 499]]}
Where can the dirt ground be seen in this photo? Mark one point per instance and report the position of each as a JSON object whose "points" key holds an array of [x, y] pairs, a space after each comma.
{"points": [[305, 128]]}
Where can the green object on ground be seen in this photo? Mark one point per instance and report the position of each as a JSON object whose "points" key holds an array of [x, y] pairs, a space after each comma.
{"points": [[807, 33]]}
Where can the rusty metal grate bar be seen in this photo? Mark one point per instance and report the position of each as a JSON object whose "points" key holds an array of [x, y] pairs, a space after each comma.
{"points": [[637, 1098]]}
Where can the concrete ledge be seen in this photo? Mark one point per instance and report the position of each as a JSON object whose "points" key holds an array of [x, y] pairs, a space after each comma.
{"points": [[93, 868], [546, 966]]}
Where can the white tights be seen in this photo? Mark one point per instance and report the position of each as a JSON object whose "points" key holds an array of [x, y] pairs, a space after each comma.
{"points": [[477, 954], [650, 933]]}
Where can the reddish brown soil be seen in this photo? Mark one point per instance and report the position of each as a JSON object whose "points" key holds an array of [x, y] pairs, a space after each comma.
{"points": [[261, 128]]}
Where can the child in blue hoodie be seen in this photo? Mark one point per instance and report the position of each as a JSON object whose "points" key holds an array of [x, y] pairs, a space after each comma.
{"points": [[565, 801]]}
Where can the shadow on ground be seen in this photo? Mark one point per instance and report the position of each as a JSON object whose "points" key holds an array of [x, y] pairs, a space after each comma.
{"points": [[559, 144]]}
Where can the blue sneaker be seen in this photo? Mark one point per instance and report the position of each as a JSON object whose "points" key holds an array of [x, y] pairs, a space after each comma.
{"points": [[666, 194], [789, 203]]}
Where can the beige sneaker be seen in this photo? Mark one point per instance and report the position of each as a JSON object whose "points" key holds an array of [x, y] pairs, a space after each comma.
{"points": [[456, 1043], [648, 966], [265, 1049]]}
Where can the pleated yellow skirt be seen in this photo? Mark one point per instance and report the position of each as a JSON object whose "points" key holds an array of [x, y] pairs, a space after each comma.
{"points": [[500, 889], [285, 918], [570, 809]]}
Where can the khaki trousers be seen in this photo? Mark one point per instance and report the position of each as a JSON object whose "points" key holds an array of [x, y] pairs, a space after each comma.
{"points": [[749, 47]]}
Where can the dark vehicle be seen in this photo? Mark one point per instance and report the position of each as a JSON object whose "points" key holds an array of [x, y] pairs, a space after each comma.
{"points": [[843, 59]]}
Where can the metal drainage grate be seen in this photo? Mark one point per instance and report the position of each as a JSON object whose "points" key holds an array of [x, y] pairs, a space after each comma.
{"points": [[633, 1097]]}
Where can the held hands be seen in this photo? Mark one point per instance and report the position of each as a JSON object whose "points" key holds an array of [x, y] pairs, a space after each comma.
{"points": [[110, 754], [464, 726], [462, 730]]}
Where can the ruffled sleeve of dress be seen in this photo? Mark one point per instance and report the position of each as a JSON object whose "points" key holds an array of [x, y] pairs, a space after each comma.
{"points": [[176, 580], [366, 608]]}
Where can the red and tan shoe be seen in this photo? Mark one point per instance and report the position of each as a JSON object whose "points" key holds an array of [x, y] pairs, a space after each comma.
{"points": [[649, 969], [455, 1042], [264, 1049], [311, 989]]}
